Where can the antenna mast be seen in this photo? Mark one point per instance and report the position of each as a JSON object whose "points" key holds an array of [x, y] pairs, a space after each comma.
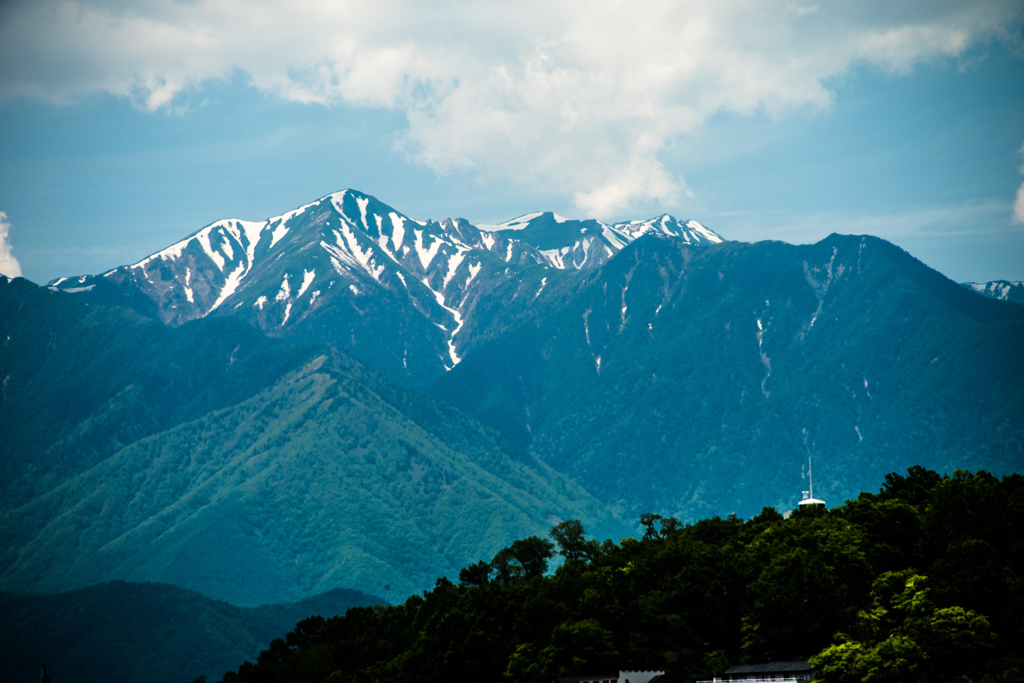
{"points": [[810, 475], [809, 499]]}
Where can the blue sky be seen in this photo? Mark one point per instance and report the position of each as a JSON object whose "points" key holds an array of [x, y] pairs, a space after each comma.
{"points": [[126, 126]]}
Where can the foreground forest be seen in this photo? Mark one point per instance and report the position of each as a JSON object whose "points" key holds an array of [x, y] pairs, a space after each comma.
{"points": [[919, 582]]}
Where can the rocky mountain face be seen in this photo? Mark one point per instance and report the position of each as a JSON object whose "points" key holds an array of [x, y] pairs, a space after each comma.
{"points": [[353, 272]]}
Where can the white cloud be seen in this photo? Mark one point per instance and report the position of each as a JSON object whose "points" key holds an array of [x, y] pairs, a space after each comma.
{"points": [[580, 96], [9, 265]]}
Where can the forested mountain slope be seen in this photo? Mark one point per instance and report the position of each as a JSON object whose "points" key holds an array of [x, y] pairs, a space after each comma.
{"points": [[696, 380], [244, 468]]}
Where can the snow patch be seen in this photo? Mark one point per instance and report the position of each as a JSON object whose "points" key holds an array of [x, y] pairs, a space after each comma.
{"points": [[439, 297], [307, 280], [228, 251], [613, 237], [170, 253], [286, 290], [203, 237], [765, 360], [453, 265], [253, 231], [354, 255], [586, 332], [363, 202], [229, 287], [555, 257], [515, 224], [426, 255], [473, 270], [709, 235], [397, 230], [279, 232]]}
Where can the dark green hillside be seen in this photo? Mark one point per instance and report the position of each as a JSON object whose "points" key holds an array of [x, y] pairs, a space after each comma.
{"points": [[920, 582], [81, 381], [268, 485], [696, 380], [154, 633]]}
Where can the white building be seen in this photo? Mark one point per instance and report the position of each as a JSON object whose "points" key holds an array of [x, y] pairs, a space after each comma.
{"points": [[809, 499]]}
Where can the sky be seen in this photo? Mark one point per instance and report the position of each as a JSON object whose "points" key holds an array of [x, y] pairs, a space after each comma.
{"points": [[126, 125]]}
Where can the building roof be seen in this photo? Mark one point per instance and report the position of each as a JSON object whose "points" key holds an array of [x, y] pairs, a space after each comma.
{"points": [[771, 667]]}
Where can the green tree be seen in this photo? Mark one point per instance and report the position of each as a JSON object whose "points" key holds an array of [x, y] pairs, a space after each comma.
{"points": [[904, 636], [524, 559], [478, 574], [811, 576], [578, 648], [572, 544]]}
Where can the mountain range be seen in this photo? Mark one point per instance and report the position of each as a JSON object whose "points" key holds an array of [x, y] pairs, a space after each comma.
{"points": [[352, 272], [342, 396]]}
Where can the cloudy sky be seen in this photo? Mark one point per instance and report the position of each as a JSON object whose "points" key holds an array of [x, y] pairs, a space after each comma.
{"points": [[125, 125]]}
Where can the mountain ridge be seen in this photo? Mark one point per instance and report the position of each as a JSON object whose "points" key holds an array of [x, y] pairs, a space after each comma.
{"points": [[341, 268]]}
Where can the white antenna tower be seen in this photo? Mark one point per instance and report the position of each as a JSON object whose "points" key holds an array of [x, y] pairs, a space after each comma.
{"points": [[810, 475], [809, 499]]}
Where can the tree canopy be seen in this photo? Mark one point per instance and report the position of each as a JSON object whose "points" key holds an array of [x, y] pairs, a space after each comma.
{"points": [[921, 581]]}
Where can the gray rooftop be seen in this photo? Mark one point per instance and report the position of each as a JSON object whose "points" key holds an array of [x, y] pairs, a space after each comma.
{"points": [[770, 667]]}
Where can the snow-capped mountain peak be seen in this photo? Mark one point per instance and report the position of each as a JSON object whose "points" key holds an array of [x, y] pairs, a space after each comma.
{"points": [[1003, 290], [522, 222], [355, 265]]}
